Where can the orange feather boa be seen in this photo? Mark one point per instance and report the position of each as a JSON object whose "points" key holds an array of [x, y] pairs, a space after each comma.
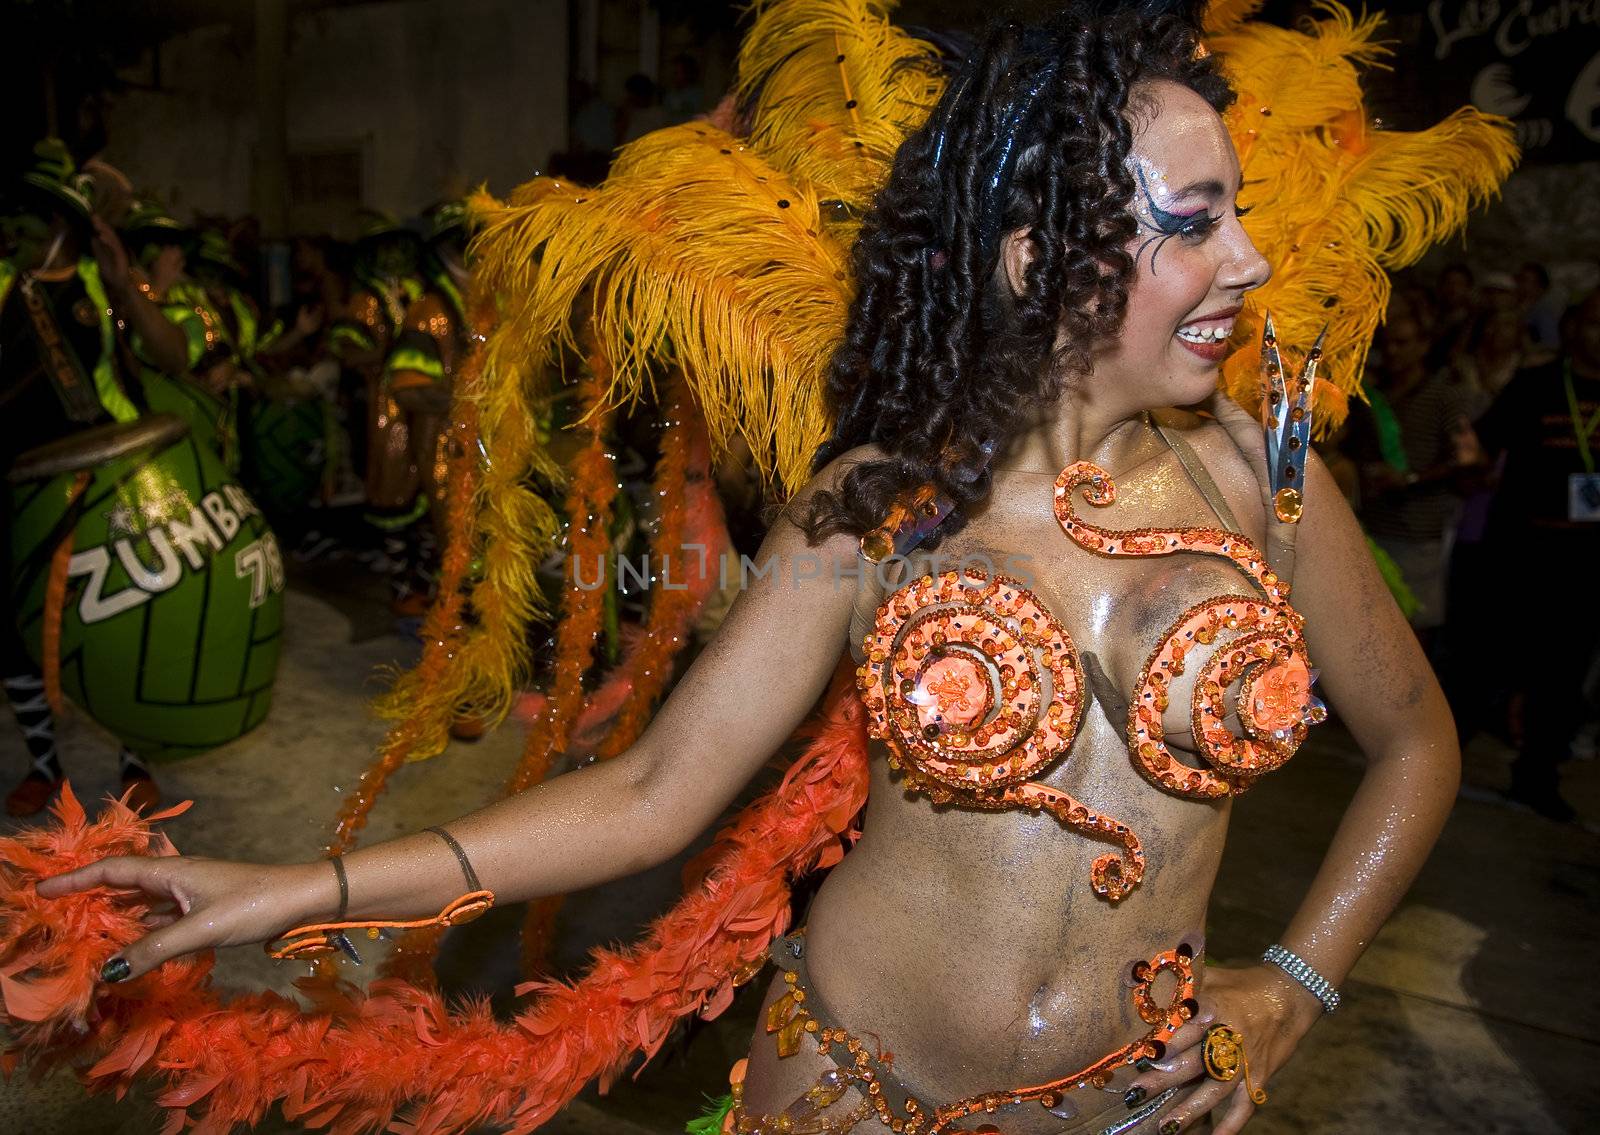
{"points": [[394, 1055]]}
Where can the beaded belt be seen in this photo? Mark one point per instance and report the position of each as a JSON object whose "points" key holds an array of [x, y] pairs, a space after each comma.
{"points": [[799, 1013]]}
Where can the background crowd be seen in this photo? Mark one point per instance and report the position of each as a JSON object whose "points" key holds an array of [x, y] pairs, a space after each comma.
{"points": [[1471, 464]]}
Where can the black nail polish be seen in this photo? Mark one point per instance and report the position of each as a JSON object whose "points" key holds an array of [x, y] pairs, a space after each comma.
{"points": [[117, 969], [1170, 1127], [1135, 1096], [1144, 1064]]}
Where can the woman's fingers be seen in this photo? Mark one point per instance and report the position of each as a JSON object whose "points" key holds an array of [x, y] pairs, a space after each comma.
{"points": [[1193, 1032], [181, 936], [161, 914], [127, 871], [1176, 1070], [1181, 1063], [1199, 1103], [1231, 1116]]}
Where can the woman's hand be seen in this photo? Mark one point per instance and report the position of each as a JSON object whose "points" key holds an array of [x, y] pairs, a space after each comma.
{"points": [[200, 904], [1267, 1008]]}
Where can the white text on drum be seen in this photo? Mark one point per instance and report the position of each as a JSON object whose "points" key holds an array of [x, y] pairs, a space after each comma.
{"points": [[177, 543]]}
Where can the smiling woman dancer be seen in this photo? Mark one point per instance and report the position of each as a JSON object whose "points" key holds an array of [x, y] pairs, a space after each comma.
{"points": [[1056, 261]]}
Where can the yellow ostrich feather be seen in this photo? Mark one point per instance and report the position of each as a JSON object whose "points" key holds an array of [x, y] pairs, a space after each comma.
{"points": [[1337, 204], [723, 256], [513, 529], [834, 88], [694, 251], [1225, 15]]}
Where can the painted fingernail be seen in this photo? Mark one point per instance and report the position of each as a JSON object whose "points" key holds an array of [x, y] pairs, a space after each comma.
{"points": [[1144, 1064], [117, 969], [1170, 1127], [1135, 1096]]}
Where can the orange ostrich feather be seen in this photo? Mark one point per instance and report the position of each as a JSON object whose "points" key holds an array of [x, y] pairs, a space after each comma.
{"points": [[394, 1056], [589, 498], [444, 626], [614, 716], [589, 522], [671, 609], [691, 517]]}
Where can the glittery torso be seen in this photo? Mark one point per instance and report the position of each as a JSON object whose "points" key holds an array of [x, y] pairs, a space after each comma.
{"points": [[971, 938]]}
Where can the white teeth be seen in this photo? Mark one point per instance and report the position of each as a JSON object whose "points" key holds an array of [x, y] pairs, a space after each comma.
{"points": [[1206, 334]]}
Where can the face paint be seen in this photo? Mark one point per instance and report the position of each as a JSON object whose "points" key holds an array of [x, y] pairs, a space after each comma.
{"points": [[1154, 212], [1185, 176]]}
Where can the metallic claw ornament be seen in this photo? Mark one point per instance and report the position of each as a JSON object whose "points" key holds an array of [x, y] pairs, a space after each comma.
{"points": [[1286, 421]]}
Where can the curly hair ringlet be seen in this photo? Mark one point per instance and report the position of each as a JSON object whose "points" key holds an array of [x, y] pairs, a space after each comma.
{"points": [[941, 360]]}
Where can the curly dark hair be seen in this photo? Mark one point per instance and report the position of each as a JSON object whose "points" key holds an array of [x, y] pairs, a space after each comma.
{"points": [[940, 359]]}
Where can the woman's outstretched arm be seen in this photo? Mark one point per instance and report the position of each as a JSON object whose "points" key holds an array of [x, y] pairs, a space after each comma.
{"points": [[1375, 675], [740, 700]]}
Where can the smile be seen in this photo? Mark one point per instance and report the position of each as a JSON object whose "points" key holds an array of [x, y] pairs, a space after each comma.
{"points": [[1207, 338], [1206, 332]]}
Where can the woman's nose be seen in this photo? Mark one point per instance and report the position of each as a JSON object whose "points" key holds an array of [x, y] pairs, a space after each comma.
{"points": [[1245, 268]]}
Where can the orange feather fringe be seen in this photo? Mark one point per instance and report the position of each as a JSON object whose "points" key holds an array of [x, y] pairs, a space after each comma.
{"points": [[55, 603], [666, 628], [393, 1055], [691, 514], [444, 626]]}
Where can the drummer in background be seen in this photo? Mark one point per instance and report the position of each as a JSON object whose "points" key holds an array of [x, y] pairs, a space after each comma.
{"points": [[419, 375], [201, 391], [64, 280], [387, 283], [239, 319]]}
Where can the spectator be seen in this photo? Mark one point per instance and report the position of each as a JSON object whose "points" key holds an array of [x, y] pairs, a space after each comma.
{"points": [[684, 97], [1410, 445], [594, 119], [1492, 352], [1498, 292], [1541, 306], [1454, 303], [1545, 519], [593, 135], [641, 110]]}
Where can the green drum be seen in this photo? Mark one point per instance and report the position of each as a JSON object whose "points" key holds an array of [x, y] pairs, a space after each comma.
{"points": [[210, 419], [289, 447], [174, 604]]}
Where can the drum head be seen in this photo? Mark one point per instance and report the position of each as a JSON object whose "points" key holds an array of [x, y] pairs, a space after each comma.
{"points": [[90, 448]]}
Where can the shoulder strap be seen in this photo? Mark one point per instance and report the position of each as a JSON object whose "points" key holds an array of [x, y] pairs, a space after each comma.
{"points": [[1190, 460], [1246, 434], [875, 584]]}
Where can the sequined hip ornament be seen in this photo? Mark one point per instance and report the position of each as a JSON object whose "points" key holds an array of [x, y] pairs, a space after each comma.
{"points": [[789, 1020]]}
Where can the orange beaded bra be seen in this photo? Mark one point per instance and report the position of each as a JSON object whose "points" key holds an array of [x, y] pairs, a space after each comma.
{"points": [[977, 688]]}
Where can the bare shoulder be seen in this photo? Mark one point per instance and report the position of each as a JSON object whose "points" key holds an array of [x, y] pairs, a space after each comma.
{"points": [[850, 458], [1222, 458], [830, 478]]}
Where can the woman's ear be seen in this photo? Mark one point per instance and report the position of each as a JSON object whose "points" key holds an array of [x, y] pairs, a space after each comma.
{"points": [[1016, 253]]}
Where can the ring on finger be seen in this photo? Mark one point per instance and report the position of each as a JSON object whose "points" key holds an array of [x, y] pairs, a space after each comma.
{"points": [[1223, 1053]]}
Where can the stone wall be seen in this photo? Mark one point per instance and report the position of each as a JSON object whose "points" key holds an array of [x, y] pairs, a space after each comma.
{"points": [[436, 98]]}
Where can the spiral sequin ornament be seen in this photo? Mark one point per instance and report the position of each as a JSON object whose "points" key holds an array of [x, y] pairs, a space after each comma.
{"points": [[1262, 648], [975, 687]]}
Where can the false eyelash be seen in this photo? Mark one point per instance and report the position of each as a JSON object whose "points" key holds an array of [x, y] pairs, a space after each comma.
{"points": [[1242, 211], [1198, 226]]}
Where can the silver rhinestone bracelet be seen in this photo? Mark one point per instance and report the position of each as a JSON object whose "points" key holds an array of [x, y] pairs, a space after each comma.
{"points": [[1296, 967]]}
